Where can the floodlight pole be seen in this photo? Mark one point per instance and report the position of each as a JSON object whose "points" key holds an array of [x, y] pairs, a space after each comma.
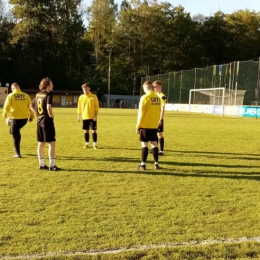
{"points": [[257, 88], [109, 71]]}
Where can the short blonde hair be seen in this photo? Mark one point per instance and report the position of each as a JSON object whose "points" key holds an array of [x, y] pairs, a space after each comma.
{"points": [[157, 82], [148, 84], [15, 86]]}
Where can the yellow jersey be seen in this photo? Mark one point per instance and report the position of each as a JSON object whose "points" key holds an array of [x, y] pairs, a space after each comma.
{"points": [[88, 105], [163, 98], [18, 103], [149, 111]]}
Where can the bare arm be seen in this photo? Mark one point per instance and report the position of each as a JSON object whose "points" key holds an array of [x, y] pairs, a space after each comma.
{"points": [[49, 109], [95, 116]]}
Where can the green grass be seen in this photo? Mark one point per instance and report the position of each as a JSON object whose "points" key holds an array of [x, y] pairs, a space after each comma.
{"points": [[208, 189]]}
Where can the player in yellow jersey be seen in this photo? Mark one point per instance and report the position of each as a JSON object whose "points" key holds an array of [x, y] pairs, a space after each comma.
{"points": [[148, 120], [157, 85], [18, 103], [88, 108]]}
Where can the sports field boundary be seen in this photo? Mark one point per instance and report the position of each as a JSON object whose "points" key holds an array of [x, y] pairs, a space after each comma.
{"points": [[135, 248]]}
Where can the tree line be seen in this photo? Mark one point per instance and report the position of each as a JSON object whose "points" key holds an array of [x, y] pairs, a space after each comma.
{"points": [[71, 43]]}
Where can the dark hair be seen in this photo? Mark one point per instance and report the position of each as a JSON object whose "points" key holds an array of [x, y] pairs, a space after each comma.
{"points": [[45, 83], [85, 85]]}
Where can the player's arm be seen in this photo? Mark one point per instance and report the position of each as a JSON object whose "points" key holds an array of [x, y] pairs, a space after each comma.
{"points": [[7, 107], [163, 103], [30, 110], [140, 116], [79, 110], [49, 110], [49, 105], [96, 109], [162, 113], [95, 116]]}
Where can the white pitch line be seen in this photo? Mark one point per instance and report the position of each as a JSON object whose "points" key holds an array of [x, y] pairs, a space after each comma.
{"points": [[136, 248]]}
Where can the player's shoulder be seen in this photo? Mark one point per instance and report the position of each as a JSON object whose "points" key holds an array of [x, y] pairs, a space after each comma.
{"points": [[162, 96], [93, 94]]}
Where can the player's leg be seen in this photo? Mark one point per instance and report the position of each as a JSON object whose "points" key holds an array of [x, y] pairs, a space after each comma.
{"points": [[86, 126], [16, 126], [94, 133], [40, 153], [51, 153], [40, 148], [144, 141], [154, 145], [161, 139], [51, 139], [86, 136], [15, 132]]}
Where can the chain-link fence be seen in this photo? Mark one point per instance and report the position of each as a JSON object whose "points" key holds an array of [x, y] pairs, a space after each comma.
{"points": [[237, 75]]}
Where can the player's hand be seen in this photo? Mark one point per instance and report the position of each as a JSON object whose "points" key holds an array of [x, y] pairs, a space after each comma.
{"points": [[160, 123], [78, 119], [94, 119], [30, 119], [138, 130]]}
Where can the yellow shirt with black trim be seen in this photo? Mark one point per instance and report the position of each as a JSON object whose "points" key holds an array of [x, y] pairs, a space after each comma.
{"points": [[88, 105], [18, 103], [149, 111], [163, 98]]}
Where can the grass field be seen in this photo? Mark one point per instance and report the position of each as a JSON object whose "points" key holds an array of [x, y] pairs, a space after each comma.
{"points": [[203, 204]]}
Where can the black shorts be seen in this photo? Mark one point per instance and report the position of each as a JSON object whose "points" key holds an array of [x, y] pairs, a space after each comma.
{"points": [[160, 128], [147, 135], [16, 125], [89, 124], [46, 134]]}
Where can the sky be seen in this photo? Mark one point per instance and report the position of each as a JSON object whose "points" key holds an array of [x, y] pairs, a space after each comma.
{"points": [[208, 7]]}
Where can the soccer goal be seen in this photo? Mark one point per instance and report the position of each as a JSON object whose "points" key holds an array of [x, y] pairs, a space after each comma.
{"points": [[208, 96]]}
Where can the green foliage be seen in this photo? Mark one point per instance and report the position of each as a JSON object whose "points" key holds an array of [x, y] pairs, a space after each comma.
{"points": [[207, 189], [47, 35], [48, 38]]}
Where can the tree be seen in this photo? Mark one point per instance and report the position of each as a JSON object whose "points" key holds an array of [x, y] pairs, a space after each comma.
{"points": [[244, 29], [215, 39], [6, 50], [102, 19], [48, 34]]}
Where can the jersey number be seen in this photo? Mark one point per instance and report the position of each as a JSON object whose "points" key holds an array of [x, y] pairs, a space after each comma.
{"points": [[39, 106]]}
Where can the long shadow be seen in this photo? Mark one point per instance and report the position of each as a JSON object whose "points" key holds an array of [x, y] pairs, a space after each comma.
{"points": [[149, 160], [210, 152], [187, 164], [220, 175]]}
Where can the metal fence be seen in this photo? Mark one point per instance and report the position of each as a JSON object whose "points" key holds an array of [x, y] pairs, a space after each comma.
{"points": [[237, 75]]}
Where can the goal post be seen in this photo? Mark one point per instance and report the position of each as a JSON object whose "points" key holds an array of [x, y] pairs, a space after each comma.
{"points": [[207, 96]]}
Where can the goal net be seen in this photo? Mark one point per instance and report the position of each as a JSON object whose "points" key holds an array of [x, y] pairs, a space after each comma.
{"points": [[216, 97]]}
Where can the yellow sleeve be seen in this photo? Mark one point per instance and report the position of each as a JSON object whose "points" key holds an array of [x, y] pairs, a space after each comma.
{"points": [[31, 112], [7, 106], [79, 109], [96, 104], [140, 112], [163, 100]]}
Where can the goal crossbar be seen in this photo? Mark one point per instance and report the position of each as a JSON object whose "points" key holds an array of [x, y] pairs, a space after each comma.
{"points": [[201, 90]]}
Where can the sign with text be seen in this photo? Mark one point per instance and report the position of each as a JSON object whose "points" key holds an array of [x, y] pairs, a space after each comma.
{"points": [[248, 111]]}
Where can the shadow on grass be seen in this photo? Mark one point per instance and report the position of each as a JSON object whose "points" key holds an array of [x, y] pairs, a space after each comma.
{"points": [[175, 168], [171, 172], [215, 153]]}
